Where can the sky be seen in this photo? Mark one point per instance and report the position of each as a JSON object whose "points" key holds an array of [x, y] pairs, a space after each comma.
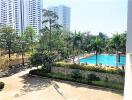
{"points": [[107, 16]]}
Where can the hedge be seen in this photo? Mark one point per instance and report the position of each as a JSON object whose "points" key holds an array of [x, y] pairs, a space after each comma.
{"points": [[112, 70], [101, 83]]}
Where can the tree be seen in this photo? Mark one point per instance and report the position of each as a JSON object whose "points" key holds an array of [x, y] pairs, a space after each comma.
{"points": [[86, 41], [7, 38], [117, 44], [77, 44], [44, 59], [50, 25], [97, 47], [22, 46], [123, 43], [29, 36]]}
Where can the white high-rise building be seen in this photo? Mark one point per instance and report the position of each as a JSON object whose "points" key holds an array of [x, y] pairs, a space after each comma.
{"points": [[7, 13], [33, 14], [64, 14], [18, 5], [21, 13]]}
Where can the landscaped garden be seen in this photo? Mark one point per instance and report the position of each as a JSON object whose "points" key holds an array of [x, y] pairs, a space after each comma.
{"points": [[54, 52]]}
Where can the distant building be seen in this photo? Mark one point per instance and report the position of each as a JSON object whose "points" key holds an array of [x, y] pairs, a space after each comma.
{"points": [[33, 14], [21, 13], [64, 14], [7, 13]]}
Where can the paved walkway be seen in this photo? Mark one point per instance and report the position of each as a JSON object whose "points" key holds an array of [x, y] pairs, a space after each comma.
{"points": [[20, 86]]}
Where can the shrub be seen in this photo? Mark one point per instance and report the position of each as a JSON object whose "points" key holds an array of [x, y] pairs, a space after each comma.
{"points": [[1, 85], [76, 74], [122, 73], [106, 79], [93, 77], [36, 59], [37, 72], [111, 85], [89, 68], [94, 80], [44, 59]]}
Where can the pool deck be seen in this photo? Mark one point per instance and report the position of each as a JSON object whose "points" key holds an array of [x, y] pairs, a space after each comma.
{"points": [[83, 56], [88, 55]]}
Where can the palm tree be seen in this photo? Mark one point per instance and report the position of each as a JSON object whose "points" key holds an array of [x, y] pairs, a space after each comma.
{"points": [[123, 42], [97, 47], [77, 40], [118, 44], [50, 22]]}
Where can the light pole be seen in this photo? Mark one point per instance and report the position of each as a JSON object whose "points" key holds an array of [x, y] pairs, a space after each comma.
{"points": [[128, 69]]}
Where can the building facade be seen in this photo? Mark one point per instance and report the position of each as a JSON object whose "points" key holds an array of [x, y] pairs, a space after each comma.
{"points": [[7, 13], [33, 14], [21, 13], [64, 14]]}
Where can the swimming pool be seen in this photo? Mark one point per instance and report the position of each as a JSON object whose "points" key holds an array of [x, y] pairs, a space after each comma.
{"points": [[104, 59]]}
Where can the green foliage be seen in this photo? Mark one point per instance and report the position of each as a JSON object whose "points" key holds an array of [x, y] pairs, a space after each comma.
{"points": [[93, 77], [7, 39], [36, 59], [42, 59], [30, 38], [50, 30], [76, 74], [117, 43], [111, 85], [1, 85], [106, 79], [89, 68]]}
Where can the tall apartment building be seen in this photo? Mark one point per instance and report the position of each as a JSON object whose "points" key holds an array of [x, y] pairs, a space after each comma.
{"points": [[7, 13], [33, 13], [64, 14], [22, 13]]}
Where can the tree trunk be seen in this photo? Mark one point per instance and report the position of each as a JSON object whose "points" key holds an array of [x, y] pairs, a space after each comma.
{"points": [[22, 58], [50, 36], [67, 50], [116, 58], [32, 42], [73, 54], [96, 57], [9, 53]]}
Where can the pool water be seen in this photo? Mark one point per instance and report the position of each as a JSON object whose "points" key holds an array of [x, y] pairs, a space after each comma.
{"points": [[105, 59]]}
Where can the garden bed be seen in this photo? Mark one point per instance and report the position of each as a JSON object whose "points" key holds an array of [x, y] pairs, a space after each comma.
{"points": [[86, 67], [79, 79]]}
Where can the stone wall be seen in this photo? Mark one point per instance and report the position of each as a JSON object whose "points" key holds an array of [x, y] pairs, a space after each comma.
{"points": [[102, 76]]}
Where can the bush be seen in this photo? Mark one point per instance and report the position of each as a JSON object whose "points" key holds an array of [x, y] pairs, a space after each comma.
{"points": [[89, 68], [93, 77], [44, 59], [76, 74], [37, 72], [76, 77], [106, 79], [111, 85], [1, 85]]}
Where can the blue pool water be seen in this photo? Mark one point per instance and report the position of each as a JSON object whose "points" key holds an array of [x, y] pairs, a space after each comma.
{"points": [[104, 59]]}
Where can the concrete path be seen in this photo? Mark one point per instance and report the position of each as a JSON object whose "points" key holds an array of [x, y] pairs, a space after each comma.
{"points": [[21, 86]]}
